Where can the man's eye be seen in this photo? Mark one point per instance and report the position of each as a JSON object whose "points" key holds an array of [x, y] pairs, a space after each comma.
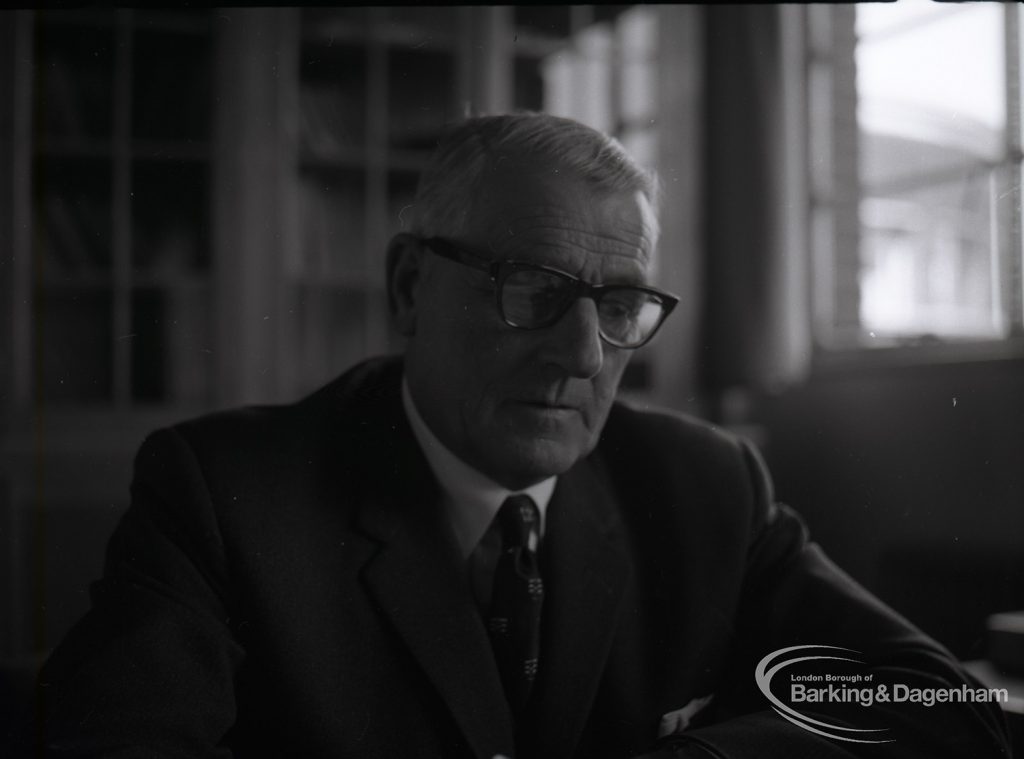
{"points": [[619, 306]]}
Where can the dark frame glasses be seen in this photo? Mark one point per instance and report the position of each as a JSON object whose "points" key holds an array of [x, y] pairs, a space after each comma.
{"points": [[533, 296]]}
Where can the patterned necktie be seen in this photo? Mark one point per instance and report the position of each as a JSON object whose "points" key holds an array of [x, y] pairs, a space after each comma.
{"points": [[513, 620]]}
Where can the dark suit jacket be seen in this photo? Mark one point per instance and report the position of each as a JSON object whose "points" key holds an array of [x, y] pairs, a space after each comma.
{"points": [[285, 585]]}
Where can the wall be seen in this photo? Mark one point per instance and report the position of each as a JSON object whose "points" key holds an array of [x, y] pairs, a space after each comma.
{"points": [[911, 477]]}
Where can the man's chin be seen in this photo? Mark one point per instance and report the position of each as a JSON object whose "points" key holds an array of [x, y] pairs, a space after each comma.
{"points": [[535, 460]]}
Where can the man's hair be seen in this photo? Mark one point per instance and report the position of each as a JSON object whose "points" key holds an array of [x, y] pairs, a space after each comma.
{"points": [[466, 150]]}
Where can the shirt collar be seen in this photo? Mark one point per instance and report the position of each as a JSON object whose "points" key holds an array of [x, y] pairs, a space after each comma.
{"points": [[471, 498]]}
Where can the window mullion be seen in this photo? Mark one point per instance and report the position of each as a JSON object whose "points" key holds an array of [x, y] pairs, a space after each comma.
{"points": [[1014, 259]]}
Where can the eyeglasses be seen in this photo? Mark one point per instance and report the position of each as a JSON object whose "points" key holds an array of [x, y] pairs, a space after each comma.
{"points": [[532, 296]]}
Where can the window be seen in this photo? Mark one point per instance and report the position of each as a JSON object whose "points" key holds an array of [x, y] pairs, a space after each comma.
{"points": [[928, 249], [120, 295]]}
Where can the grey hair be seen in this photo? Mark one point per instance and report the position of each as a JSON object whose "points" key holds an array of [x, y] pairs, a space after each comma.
{"points": [[449, 182]]}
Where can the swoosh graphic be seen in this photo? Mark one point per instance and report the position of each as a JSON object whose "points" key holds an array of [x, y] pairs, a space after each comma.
{"points": [[764, 676]]}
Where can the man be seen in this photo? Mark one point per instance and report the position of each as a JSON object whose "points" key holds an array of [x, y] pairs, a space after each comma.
{"points": [[475, 551]]}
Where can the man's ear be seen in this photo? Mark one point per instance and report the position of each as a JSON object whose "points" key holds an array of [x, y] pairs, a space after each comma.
{"points": [[404, 259]]}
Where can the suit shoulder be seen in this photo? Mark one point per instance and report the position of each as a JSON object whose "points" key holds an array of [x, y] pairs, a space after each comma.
{"points": [[663, 446], [654, 431], [278, 432]]}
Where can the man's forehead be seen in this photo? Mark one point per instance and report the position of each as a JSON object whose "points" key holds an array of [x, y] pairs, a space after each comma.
{"points": [[553, 206], [591, 227], [567, 240]]}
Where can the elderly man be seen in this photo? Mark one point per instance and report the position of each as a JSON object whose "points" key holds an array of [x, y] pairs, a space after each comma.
{"points": [[474, 550]]}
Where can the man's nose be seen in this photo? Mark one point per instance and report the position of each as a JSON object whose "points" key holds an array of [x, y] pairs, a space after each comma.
{"points": [[575, 340]]}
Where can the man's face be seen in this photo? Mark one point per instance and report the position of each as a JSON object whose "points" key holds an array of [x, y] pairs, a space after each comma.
{"points": [[522, 405]]}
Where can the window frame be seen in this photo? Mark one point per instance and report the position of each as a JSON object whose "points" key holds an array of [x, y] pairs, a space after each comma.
{"points": [[834, 258]]}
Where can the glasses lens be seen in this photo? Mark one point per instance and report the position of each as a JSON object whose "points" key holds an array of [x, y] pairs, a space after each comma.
{"points": [[534, 298], [629, 317]]}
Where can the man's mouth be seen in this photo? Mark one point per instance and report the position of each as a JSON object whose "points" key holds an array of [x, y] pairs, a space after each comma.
{"points": [[545, 405]]}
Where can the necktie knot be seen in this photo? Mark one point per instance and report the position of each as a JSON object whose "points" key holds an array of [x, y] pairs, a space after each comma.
{"points": [[518, 519]]}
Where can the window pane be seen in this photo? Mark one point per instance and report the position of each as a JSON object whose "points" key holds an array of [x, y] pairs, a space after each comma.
{"points": [[171, 98], [931, 113], [170, 343], [578, 80], [927, 267], [73, 80], [936, 77], [74, 329]]}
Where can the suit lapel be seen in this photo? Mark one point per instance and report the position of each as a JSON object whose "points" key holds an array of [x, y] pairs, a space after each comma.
{"points": [[586, 571], [418, 581]]}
